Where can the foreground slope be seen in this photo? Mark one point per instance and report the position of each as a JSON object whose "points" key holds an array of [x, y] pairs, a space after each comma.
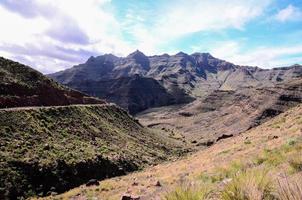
{"points": [[21, 85], [182, 76], [275, 145], [52, 149]]}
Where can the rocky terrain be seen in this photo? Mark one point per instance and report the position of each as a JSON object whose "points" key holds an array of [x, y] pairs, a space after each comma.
{"points": [[182, 77], [223, 114], [22, 86], [134, 93]]}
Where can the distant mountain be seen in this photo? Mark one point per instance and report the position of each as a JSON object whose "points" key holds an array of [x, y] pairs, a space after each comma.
{"points": [[182, 76], [21, 85]]}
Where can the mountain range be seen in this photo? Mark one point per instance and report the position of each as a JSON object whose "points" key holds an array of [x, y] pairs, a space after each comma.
{"points": [[138, 82]]}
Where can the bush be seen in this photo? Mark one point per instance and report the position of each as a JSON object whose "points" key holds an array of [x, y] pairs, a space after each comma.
{"points": [[295, 161], [189, 193], [252, 184]]}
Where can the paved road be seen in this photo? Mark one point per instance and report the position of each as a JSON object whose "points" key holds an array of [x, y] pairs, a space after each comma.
{"points": [[48, 107]]}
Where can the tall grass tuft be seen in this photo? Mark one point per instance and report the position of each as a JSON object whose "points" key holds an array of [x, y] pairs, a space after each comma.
{"points": [[186, 192], [290, 189], [252, 184]]}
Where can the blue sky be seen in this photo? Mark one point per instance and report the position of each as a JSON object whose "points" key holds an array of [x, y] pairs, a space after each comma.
{"points": [[52, 35]]}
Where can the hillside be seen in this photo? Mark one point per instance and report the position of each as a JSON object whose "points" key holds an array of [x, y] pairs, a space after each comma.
{"points": [[223, 114], [132, 93], [271, 153], [53, 149], [20, 85], [184, 77]]}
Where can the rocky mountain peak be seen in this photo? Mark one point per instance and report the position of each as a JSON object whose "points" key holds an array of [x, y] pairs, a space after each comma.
{"points": [[136, 54], [202, 55], [91, 59], [140, 58], [182, 54], [103, 58]]}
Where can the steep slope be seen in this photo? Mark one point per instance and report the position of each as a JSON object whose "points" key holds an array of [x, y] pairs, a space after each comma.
{"points": [[182, 75], [273, 146], [52, 149], [22, 86], [131, 93], [224, 113]]}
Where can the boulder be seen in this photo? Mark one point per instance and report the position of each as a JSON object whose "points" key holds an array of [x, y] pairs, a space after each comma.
{"points": [[130, 197], [92, 182]]}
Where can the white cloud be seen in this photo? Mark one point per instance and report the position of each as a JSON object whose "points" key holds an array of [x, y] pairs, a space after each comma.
{"points": [[178, 18], [264, 57], [92, 26], [290, 13], [36, 28], [193, 16]]}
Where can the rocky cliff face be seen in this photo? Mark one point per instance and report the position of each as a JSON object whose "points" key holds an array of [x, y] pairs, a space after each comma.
{"points": [[134, 93], [181, 75], [22, 86]]}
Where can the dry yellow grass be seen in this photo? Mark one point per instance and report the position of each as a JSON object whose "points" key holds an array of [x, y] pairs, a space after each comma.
{"points": [[266, 137]]}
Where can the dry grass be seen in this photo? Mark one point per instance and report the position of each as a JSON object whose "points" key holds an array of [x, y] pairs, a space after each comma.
{"points": [[249, 185], [188, 192], [290, 189], [295, 161]]}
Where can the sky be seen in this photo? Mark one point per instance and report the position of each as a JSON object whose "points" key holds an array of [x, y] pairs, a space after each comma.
{"points": [[52, 35]]}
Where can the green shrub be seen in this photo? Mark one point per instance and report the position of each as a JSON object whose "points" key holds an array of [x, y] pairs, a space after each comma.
{"points": [[247, 142], [291, 142]]}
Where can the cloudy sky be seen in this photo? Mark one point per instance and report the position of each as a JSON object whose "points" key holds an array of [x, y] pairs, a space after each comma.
{"points": [[52, 35]]}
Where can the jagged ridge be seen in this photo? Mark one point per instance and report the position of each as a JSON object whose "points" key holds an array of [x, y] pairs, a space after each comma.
{"points": [[182, 75]]}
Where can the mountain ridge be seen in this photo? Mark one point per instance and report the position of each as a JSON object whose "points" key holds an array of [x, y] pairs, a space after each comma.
{"points": [[182, 75]]}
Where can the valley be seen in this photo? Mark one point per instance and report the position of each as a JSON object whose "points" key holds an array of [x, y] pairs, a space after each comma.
{"points": [[54, 138], [151, 100]]}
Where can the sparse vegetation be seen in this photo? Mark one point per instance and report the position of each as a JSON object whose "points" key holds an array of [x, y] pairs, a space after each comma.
{"points": [[223, 164], [69, 145], [254, 179]]}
